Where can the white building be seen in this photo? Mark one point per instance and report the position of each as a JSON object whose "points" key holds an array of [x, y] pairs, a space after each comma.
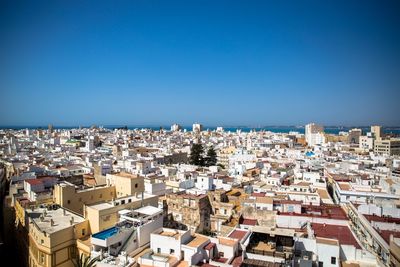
{"points": [[204, 182], [130, 234], [175, 127], [170, 246], [314, 134], [366, 141], [197, 127]]}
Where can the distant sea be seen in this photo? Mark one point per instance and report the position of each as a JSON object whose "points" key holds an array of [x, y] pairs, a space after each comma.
{"points": [[276, 129]]}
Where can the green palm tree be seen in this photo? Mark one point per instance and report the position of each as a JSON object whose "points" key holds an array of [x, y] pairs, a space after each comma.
{"points": [[84, 261]]}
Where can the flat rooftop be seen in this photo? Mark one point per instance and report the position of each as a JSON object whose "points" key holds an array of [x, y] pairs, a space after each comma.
{"points": [[197, 241], [238, 234], [60, 221], [323, 193], [246, 221], [126, 175], [375, 218], [174, 234], [327, 241], [331, 211], [276, 231], [109, 204], [148, 210], [339, 232], [385, 234], [230, 242]]}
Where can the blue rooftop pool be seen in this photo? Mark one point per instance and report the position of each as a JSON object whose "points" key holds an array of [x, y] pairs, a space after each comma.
{"points": [[106, 233]]}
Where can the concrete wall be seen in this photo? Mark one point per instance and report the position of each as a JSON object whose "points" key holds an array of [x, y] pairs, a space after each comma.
{"points": [[126, 185], [145, 231], [70, 198], [107, 217]]}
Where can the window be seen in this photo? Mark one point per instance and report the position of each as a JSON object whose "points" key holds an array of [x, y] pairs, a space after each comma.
{"points": [[101, 195], [122, 202], [171, 251], [83, 231], [333, 260], [136, 185], [42, 257], [129, 200], [68, 201], [158, 250]]}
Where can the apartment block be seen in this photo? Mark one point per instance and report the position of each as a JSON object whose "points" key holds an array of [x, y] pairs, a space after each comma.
{"points": [[72, 198], [387, 146]]}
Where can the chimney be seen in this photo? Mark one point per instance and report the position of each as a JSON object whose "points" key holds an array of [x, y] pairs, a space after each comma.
{"points": [[71, 221], [64, 213], [41, 217], [51, 222]]}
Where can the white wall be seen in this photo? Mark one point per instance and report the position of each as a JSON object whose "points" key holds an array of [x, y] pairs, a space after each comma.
{"points": [[154, 189], [350, 253], [286, 221], [145, 231], [326, 252], [165, 244]]}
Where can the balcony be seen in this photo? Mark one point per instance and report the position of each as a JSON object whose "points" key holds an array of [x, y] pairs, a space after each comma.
{"points": [[113, 238]]}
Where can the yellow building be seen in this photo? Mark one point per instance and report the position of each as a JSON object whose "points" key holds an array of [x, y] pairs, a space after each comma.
{"points": [[21, 229], [68, 196], [394, 251], [104, 215], [223, 155], [387, 146], [126, 184], [336, 138], [52, 234], [377, 131]]}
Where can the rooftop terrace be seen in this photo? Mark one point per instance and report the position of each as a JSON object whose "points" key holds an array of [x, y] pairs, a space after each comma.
{"points": [[51, 221]]}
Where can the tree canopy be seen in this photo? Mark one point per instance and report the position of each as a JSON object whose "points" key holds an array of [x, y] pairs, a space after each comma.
{"points": [[196, 155], [85, 261], [211, 157]]}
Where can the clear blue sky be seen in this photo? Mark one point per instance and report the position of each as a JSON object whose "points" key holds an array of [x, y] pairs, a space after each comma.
{"points": [[215, 62]]}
